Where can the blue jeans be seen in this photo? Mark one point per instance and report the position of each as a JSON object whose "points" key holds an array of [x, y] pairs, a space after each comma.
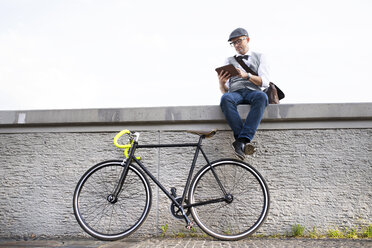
{"points": [[229, 102]]}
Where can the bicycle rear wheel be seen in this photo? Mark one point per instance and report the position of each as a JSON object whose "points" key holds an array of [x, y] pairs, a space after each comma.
{"points": [[241, 211], [105, 220]]}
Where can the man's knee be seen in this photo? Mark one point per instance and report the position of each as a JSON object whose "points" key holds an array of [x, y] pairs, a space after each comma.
{"points": [[261, 98], [226, 99]]}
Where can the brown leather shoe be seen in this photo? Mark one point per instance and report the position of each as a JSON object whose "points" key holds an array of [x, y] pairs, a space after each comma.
{"points": [[249, 149]]}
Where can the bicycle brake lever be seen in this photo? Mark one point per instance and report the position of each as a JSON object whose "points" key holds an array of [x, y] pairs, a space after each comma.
{"points": [[135, 135]]}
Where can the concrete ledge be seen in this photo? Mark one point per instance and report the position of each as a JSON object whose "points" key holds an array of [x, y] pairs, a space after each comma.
{"points": [[282, 116]]}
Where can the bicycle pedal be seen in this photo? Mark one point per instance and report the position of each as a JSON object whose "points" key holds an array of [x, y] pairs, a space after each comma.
{"points": [[189, 226]]}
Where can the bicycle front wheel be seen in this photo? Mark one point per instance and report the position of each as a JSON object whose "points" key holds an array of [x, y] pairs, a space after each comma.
{"points": [[235, 213], [107, 220]]}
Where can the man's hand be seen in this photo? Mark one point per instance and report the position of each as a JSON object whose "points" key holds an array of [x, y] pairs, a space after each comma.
{"points": [[223, 77], [252, 78], [242, 74]]}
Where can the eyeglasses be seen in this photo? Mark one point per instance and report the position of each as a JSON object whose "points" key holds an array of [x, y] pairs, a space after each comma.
{"points": [[237, 42]]}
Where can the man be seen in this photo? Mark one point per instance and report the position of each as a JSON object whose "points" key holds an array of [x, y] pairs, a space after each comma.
{"points": [[244, 89]]}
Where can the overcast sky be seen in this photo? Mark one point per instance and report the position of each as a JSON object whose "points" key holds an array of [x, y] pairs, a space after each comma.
{"points": [[63, 54]]}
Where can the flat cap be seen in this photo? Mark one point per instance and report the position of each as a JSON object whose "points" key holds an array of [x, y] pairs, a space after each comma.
{"points": [[237, 33]]}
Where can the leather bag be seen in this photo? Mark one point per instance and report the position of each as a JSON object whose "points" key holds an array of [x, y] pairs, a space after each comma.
{"points": [[272, 94]]}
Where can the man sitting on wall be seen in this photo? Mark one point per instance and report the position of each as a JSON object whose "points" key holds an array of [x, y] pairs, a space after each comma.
{"points": [[244, 89]]}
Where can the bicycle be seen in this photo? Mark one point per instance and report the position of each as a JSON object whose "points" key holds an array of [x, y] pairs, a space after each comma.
{"points": [[227, 198]]}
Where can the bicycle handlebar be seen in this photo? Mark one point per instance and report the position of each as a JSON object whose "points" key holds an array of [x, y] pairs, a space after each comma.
{"points": [[117, 136], [132, 137]]}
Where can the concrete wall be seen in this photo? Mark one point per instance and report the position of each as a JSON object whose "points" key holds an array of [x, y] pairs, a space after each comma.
{"points": [[316, 159]]}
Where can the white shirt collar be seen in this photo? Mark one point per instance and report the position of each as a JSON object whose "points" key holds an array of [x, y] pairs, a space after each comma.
{"points": [[249, 53]]}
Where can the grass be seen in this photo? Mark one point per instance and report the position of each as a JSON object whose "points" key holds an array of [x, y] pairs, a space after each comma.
{"points": [[193, 232], [364, 231], [315, 234], [335, 234], [367, 231], [351, 234], [297, 231], [179, 234], [164, 229]]}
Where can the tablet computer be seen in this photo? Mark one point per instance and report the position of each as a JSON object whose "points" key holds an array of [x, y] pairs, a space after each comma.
{"points": [[230, 68]]}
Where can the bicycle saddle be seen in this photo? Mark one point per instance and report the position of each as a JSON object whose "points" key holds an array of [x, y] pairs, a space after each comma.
{"points": [[204, 133]]}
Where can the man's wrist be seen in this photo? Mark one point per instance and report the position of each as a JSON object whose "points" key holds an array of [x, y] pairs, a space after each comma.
{"points": [[249, 76]]}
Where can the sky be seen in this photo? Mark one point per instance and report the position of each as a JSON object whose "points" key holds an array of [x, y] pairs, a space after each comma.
{"points": [[79, 54]]}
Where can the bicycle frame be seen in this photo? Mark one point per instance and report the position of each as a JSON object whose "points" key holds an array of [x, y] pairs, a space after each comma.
{"points": [[180, 205]]}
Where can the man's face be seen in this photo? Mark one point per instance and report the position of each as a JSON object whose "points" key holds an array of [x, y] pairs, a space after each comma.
{"points": [[240, 44]]}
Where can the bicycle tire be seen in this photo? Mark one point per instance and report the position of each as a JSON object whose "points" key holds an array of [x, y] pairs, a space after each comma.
{"points": [[111, 221], [244, 214]]}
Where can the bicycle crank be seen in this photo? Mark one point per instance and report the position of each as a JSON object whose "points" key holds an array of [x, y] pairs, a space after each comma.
{"points": [[176, 212]]}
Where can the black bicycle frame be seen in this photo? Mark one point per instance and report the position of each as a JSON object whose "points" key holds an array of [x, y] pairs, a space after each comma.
{"points": [[180, 205]]}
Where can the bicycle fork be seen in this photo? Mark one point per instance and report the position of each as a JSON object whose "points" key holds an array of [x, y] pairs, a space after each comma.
{"points": [[113, 197]]}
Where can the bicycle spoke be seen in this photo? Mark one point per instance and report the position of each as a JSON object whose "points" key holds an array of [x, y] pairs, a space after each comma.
{"points": [[235, 179], [95, 190], [91, 212], [109, 226], [98, 219]]}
